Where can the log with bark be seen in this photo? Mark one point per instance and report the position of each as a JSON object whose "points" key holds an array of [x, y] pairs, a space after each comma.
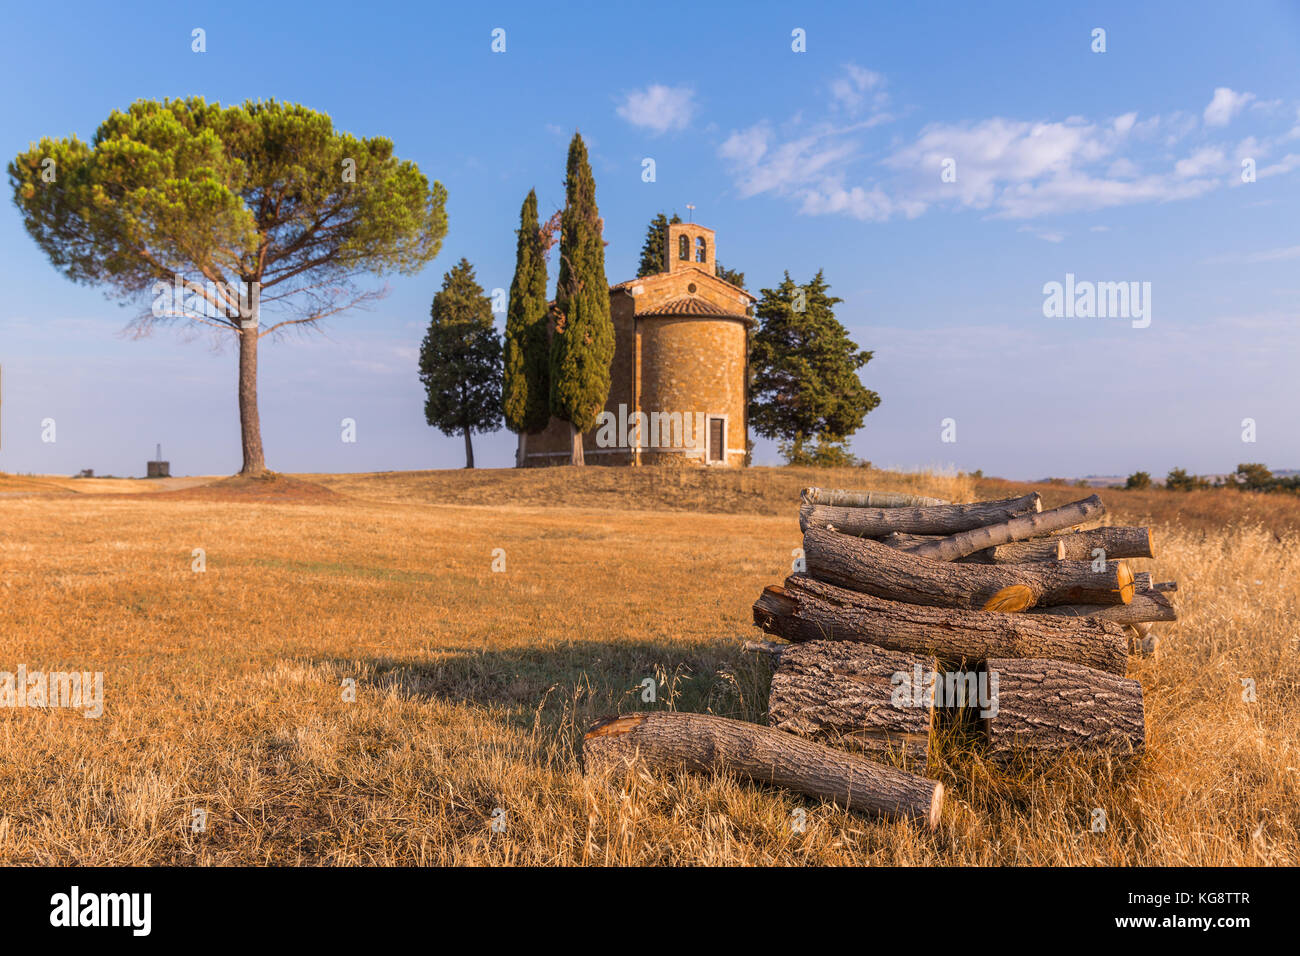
{"points": [[906, 542], [1142, 581], [854, 695], [704, 743], [1051, 548], [1016, 529], [1145, 606], [1020, 552], [1046, 706], [805, 609], [1117, 542], [873, 568], [836, 497], [936, 519]]}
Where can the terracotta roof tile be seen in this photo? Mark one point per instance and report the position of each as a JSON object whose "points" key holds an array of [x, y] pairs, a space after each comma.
{"points": [[689, 305]]}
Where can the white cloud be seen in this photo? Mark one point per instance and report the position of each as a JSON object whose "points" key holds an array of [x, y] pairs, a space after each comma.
{"points": [[1224, 106], [785, 168], [1123, 168], [850, 90], [1250, 258], [1284, 165], [1046, 236], [993, 153], [868, 205], [1205, 160], [659, 108], [1004, 167]]}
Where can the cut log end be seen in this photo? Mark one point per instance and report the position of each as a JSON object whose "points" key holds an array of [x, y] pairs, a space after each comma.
{"points": [[1013, 598], [1124, 577], [936, 807], [610, 726]]}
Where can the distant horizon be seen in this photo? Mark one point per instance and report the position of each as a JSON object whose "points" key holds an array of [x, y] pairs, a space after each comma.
{"points": [[1155, 479]]}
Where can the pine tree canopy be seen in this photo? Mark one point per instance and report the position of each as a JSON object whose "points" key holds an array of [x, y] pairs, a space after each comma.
{"points": [[652, 250], [267, 192], [805, 368], [259, 216], [729, 275], [460, 358]]}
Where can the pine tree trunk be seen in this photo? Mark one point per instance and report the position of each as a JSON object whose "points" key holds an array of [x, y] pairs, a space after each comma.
{"points": [[576, 437], [250, 425], [703, 743], [521, 451], [469, 450]]}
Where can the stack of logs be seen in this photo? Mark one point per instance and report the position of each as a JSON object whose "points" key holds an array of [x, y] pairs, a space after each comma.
{"points": [[907, 604]]}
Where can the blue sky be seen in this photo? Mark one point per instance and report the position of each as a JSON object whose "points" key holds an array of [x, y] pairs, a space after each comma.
{"points": [[1117, 166]]}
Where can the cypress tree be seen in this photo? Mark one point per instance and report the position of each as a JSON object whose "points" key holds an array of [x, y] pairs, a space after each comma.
{"points": [[582, 347], [805, 370], [525, 392], [460, 360], [652, 250]]}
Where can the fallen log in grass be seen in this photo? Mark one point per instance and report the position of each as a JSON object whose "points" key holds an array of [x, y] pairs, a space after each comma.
{"points": [[704, 743], [805, 609], [1047, 706], [846, 693], [873, 568], [936, 519]]}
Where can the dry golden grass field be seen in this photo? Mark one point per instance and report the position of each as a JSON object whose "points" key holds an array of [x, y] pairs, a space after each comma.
{"points": [[224, 689]]}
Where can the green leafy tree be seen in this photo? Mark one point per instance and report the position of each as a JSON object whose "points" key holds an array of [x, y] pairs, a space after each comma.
{"points": [[805, 370], [1138, 481], [824, 454], [1179, 480], [525, 392], [248, 219], [1253, 476], [460, 360], [652, 250], [582, 347]]}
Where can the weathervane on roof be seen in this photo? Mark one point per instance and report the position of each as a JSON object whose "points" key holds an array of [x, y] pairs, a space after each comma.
{"points": [[690, 212]]}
